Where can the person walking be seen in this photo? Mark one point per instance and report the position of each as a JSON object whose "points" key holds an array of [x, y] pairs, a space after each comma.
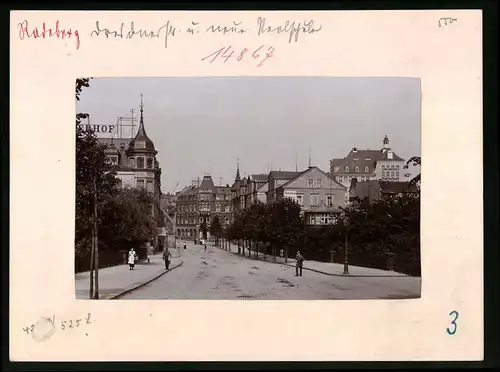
{"points": [[184, 245], [166, 257], [299, 260], [132, 256]]}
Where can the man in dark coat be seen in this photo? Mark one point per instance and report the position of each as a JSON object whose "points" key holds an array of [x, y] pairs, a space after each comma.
{"points": [[299, 260]]}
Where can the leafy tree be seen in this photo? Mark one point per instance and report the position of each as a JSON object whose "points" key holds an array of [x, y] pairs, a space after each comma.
{"points": [[204, 229], [125, 219], [216, 229], [414, 162]]}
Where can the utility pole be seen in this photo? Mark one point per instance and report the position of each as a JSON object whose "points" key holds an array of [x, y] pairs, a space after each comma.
{"points": [[96, 241], [92, 255]]}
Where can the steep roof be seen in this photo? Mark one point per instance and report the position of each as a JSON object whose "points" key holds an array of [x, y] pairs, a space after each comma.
{"points": [[395, 156], [300, 174], [365, 160], [207, 183], [141, 141]]}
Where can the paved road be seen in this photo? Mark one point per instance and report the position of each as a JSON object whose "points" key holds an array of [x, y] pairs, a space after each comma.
{"points": [[220, 275]]}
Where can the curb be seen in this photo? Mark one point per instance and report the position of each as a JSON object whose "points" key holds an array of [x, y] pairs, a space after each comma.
{"points": [[121, 294], [325, 273]]}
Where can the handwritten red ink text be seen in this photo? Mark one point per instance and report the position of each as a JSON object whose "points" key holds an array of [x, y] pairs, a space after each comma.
{"points": [[225, 53], [46, 32]]}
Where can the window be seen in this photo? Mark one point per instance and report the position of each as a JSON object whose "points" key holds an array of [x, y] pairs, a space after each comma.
{"points": [[131, 162], [329, 200], [397, 167], [347, 169], [150, 163], [341, 179], [312, 220], [219, 197], [314, 199], [140, 162], [367, 169], [242, 203], [226, 209], [299, 200], [317, 183], [310, 183], [397, 174], [383, 166], [140, 183], [150, 186], [217, 207], [356, 169], [392, 174], [227, 221]]}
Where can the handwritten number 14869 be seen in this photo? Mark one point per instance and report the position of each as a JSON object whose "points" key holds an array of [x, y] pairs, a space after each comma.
{"points": [[225, 53]]}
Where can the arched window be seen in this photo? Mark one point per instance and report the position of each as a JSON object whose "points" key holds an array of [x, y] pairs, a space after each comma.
{"points": [[367, 169], [356, 169], [140, 162], [347, 169]]}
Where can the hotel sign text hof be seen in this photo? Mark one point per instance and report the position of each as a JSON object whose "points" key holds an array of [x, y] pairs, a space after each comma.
{"points": [[97, 128]]}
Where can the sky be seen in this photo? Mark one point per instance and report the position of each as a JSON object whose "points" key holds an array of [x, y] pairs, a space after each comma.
{"points": [[205, 125]]}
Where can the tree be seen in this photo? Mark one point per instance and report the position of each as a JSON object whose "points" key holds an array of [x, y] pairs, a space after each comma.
{"points": [[216, 229], [126, 220], [414, 162], [204, 229]]}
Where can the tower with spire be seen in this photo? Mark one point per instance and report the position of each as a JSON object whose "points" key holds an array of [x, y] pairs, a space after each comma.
{"points": [[141, 154]]}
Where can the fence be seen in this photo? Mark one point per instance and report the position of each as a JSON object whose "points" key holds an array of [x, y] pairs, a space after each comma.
{"points": [[404, 262], [107, 258]]}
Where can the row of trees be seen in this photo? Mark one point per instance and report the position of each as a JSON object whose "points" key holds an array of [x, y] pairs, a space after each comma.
{"points": [[124, 218], [375, 232]]}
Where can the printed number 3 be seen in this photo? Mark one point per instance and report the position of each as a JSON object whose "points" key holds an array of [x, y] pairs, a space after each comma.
{"points": [[453, 322]]}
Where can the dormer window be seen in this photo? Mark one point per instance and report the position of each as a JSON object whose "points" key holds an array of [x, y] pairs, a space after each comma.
{"points": [[367, 169], [347, 169], [356, 169]]}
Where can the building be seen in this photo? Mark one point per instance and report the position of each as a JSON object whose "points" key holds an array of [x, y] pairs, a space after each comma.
{"points": [[247, 191], [198, 204], [136, 164], [365, 165], [318, 194], [376, 190]]}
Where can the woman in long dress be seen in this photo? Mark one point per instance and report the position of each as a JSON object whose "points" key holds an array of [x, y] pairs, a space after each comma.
{"points": [[131, 259]]}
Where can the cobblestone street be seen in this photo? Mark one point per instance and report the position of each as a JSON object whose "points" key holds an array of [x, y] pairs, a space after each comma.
{"points": [[217, 274]]}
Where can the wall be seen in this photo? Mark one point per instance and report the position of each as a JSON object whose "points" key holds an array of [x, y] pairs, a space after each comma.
{"points": [[328, 187]]}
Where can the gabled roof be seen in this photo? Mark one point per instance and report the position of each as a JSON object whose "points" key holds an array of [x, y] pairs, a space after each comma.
{"points": [[188, 190], [300, 174], [395, 156], [362, 159]]}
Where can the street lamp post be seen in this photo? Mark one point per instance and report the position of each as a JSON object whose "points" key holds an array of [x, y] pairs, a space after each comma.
{"points": [[346, 262]]}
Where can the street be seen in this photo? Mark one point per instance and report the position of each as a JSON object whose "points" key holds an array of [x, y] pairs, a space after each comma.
{"points": [[216, 274]]}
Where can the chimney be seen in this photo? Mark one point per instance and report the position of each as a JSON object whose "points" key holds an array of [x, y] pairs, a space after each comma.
{"points": [[354, 149]]}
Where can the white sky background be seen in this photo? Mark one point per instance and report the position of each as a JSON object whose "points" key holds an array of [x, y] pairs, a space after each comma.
{"points": [[204, 124]]}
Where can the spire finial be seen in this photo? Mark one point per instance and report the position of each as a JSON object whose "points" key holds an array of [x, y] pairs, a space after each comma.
{"points": [[237, 178], [309, 155], [142, 109]]}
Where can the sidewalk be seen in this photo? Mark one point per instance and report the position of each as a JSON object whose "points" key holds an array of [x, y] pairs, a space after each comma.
{"points": [[327, 268], [117, 280]]}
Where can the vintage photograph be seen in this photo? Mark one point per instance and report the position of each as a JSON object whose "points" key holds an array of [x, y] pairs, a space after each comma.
{"points": [[247, 188]]}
